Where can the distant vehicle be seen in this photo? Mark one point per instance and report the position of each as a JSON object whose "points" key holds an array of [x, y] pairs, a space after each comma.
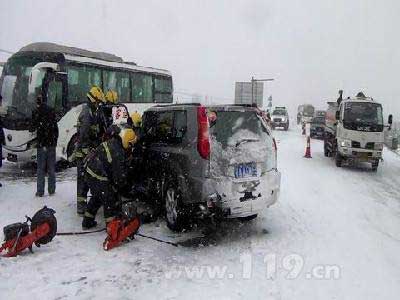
{"points": [[280, 118], [354, 131], [305, 113], [63, 75], [320, 113], [209, 161], [317, 127]]}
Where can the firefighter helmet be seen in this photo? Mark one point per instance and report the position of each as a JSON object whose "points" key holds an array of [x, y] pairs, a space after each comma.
{"points": [[128, 137], [136, 119], [112, 96], [95, 95]]}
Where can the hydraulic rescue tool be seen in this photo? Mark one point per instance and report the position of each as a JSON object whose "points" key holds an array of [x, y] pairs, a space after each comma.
{"points": [[120, 230], [20, 236]]}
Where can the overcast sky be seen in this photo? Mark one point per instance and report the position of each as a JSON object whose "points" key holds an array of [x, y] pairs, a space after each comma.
{"points": [[311, 47]]}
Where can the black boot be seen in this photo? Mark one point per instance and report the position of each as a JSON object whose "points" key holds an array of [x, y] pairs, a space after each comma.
{"points": [[88, 223]]}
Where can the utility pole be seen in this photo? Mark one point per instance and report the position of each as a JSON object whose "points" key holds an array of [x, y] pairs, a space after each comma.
{"points": [[253, 80]]}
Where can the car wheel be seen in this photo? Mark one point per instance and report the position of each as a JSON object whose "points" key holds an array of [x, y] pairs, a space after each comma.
{"points": [[174, 211], [338, 160], [375, 165], [248, 218]]}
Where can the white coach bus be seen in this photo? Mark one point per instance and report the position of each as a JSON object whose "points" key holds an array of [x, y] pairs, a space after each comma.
{"points": [[64, 75]]}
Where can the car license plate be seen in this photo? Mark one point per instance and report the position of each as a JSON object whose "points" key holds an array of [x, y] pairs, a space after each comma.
{"points": [[363, 155], [246, 170]]}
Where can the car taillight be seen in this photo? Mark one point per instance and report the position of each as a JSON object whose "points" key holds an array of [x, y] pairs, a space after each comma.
{"points": [[203, 138]]}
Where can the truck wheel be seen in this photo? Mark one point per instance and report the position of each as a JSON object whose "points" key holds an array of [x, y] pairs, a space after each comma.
{"points": [[375, 165], [175, 214], [286, 127], [338, 160], [326, 151]]}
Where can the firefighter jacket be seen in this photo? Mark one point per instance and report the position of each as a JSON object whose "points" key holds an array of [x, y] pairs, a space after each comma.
{"points": [[88, 131], [109, 162]]}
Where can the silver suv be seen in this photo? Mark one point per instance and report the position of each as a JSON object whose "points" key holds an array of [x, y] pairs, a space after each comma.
{"points": [[209, 161]]}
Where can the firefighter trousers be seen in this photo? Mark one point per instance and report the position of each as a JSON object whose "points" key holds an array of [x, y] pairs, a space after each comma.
{"points": [[102, 195]]}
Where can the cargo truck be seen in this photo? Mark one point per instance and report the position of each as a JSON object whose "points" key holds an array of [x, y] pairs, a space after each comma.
{"points": [[354, 131], [305, 113]]}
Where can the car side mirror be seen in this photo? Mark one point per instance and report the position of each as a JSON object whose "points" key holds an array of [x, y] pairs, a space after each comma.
{"points": [[390, 119], [337, 115]]}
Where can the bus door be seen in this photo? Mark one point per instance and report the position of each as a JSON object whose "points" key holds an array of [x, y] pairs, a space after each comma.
{"points": [[54, 91], [46, 79]]}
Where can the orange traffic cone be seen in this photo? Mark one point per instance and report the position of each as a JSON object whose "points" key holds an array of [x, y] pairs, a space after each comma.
{"points": [[308, 148], [303, 126]]}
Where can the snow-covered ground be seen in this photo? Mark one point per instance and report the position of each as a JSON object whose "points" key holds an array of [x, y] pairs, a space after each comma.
{"points": [[334, 234]]}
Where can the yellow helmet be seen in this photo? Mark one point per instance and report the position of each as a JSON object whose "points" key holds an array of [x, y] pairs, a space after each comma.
{"points": [[95, 95], [136, 119], [112, 96], [128, 137]]}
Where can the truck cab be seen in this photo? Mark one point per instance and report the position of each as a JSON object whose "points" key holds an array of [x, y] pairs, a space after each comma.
{"points": [[354, 131]]}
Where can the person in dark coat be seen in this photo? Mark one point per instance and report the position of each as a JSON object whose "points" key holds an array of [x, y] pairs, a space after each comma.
{"points": [[44, 122], [340, 98], [2, 139], [107, 176]]}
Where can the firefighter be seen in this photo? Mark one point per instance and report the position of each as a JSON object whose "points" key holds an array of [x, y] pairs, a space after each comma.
{"points": [[136, 119], [106, 175], [111, 99], [88, 139], [105, 114]]}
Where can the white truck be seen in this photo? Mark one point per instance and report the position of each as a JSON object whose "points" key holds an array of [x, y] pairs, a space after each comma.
{"points": [[354, 131], [305, 113]]}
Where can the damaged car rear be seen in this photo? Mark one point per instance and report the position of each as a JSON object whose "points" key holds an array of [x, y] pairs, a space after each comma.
{"points": [[214, 161]]}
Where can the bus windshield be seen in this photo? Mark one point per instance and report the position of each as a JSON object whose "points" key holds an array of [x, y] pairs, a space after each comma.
{"points": [[14, 87]]}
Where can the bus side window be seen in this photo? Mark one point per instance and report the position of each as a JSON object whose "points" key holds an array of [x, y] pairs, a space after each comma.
{"points": [[118, 82], [162, 89], [142, 88], [80, 80]]}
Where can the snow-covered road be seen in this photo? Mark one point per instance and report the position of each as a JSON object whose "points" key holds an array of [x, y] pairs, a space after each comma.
{"points": [[334, 234]]}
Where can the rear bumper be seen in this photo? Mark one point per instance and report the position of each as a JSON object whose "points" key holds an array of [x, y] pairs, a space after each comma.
{"points": [[317, 132], [245, 197]]}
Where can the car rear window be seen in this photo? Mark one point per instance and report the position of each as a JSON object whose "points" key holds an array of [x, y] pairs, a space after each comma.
{"points": [[232, 127]]}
